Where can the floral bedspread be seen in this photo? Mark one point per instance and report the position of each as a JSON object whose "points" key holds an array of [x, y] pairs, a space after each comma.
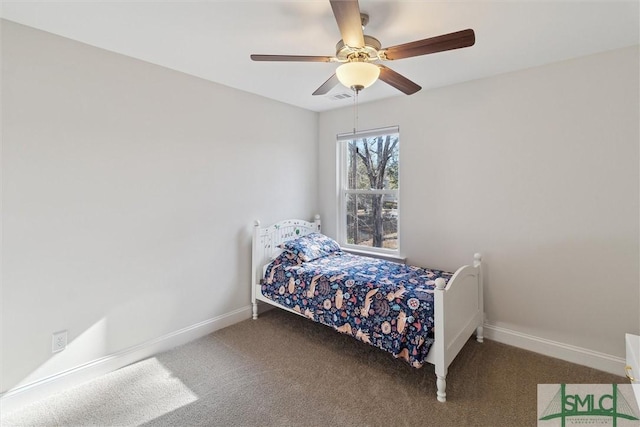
{"points": [[382, 303]]}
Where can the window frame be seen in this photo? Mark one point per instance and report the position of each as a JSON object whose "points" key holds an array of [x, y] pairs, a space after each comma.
{"points": [[343, 192]]}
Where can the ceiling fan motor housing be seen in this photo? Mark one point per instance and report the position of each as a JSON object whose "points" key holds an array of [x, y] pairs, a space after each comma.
{"points": [[368, 52]]}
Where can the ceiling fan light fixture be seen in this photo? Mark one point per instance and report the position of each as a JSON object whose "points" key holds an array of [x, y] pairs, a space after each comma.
{"points": [[357, 75]]}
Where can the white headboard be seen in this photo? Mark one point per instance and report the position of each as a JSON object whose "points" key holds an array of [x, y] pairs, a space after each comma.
{"points": [[267, 239]]}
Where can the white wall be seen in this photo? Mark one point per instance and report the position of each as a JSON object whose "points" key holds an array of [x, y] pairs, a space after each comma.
{"points": [[129, 191], [539, 171]]}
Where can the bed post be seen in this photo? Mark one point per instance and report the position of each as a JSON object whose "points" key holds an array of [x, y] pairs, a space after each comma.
{"points": [[477, 263], [254, 257], [318, 223], [439, 344]]}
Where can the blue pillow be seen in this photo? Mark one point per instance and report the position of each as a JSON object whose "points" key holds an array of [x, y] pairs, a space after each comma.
{"points": [[310, 247]]}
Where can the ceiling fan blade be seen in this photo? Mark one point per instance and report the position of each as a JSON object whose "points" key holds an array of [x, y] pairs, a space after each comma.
{"points": [[457, 40], [292, 58], [327, 86], [398, 81], [347, 13]]}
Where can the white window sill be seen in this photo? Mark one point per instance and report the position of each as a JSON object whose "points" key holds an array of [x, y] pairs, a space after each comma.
{"points": [[389, 257]]}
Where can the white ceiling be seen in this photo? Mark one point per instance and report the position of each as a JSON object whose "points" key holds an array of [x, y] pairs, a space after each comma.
{"points": [[213, 39]]}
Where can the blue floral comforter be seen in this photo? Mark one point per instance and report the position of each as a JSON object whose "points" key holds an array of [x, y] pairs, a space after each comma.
{"points": [[382, 303]]}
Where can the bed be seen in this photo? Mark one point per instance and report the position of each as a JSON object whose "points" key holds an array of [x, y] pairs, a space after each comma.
{"points": [[418, 315]]}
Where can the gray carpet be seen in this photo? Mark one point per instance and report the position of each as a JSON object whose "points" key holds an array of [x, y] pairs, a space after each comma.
{"points": [[283, 370]]}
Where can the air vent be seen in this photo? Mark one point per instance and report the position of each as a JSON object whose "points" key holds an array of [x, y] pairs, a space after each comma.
{"points": [[340, 96]]}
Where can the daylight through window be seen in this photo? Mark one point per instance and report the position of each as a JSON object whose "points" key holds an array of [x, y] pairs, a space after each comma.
{"points": [[369, 189]]}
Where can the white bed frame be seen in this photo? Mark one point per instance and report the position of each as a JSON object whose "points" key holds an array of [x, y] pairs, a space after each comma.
{"points": [[458, 304]]}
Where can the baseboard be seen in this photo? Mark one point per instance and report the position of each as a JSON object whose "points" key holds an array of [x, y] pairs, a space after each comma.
{"points": [[28, 393], [578, 355], [34, 391]]}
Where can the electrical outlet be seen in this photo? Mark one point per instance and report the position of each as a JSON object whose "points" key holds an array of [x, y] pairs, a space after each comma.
{"points": [[59, 341]]}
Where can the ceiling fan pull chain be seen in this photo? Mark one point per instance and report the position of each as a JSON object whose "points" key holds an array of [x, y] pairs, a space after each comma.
{"points": [[355, 110]]}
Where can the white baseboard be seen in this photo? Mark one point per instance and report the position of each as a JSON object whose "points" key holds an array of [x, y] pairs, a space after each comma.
{"points": [[34, 391], [28, 393], [578, 355]]}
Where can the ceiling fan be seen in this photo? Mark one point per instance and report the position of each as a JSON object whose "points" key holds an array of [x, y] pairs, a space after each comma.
{"points": [[359, 53]]}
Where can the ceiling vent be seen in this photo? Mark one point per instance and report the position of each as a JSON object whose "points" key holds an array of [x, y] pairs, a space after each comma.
{"points": [[340, 96]]}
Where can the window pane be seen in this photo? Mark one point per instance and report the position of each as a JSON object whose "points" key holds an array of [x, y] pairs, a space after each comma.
{"points": [[372, 220], [372, 163]]}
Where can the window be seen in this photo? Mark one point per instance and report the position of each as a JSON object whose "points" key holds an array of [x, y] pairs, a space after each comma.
{"points": [[368, 179]]}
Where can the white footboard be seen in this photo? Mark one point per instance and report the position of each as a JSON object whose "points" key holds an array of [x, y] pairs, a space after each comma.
{"points": [[459, 311]]}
